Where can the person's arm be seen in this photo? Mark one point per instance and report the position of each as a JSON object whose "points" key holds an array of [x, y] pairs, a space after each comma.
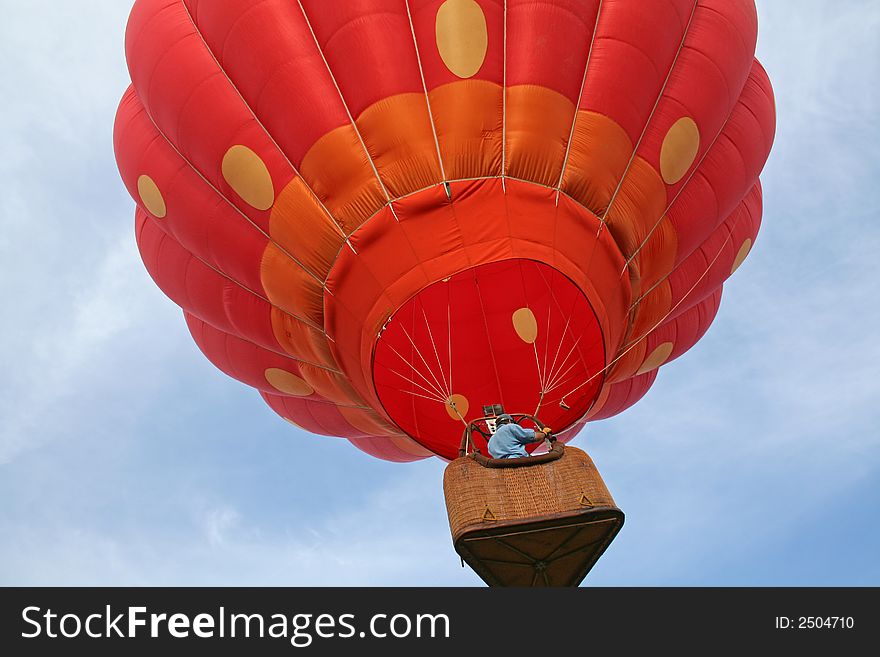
{"points": [[541, 434], [530, 435]]}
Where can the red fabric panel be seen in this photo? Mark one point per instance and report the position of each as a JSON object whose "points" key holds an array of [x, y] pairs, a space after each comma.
{"points": [[201, 290], [326, 420], [240, 359], [559, 35], [369, 48], [312, 415], [267, 50], [730, 167], [631, 58], [384, 448], [711, 264], [708, 77], [191, 100], [203, 223]]}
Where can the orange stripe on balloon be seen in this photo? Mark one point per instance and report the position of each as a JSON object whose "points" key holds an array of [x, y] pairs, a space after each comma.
{"points": [[397, 132], [338, 170], [300, 226], [538, 126], [289, 287], [639, 203], [300, 340], [368, 421], [468, 121], [330, 385], [600, 150]]}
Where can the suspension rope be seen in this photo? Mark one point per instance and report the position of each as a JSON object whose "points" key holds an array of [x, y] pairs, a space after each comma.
{"points": [[557, 376], [414, 369], [434, 345], [422, 358], [417, 385]]}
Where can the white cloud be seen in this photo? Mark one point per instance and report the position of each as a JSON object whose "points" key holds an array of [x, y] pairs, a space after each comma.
{"points": [[396, 535]]}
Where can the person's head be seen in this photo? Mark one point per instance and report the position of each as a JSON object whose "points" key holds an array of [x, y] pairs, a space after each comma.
{"points": [[504, 418]]}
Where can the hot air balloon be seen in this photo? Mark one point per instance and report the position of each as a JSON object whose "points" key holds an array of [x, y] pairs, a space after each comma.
{"points": [[394, 218]]}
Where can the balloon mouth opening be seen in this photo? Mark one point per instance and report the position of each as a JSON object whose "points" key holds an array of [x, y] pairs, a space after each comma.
{"points": [[516, 331]]}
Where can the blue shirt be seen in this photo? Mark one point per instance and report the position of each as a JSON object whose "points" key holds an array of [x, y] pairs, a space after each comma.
{"points": [[509, 441]]}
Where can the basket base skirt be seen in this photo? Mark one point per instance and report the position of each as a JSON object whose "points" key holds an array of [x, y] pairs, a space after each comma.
{"points": [[544, 552]]}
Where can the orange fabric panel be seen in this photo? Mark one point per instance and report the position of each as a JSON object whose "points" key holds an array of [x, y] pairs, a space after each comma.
{"points": [[652, 309], [468, 119], [300, 226], [337, 168], [397, 132], [300, 340], [330, 385], [639, 204], [480, 209], [385, 250], [629, 363], [407, 445], [367, 421], [430, 223], [374, 426], [640, 201], [600, 151], [600, 400], [346, 347], [657, 257], [354, 285], [538, 126], [289, 287]]}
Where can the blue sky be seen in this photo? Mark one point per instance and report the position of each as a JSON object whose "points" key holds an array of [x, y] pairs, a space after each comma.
{"points": [[127, 459]]}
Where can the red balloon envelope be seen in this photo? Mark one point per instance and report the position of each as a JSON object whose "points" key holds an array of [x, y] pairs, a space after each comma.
{"points": [[386, 214]]}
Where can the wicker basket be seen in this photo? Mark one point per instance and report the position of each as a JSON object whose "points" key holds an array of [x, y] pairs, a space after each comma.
{"points": [[544, 524]]}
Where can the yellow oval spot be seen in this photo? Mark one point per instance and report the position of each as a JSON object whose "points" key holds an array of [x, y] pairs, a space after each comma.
{"points": [[247, 174], [680, 146], [462, 37], [457, 406], [657, 357], [742, 254], [526, 325], [151, 197], [288, 383]]}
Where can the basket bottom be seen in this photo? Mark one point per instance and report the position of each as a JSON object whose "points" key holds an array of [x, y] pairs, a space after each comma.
{"points": [[554, 551]]}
